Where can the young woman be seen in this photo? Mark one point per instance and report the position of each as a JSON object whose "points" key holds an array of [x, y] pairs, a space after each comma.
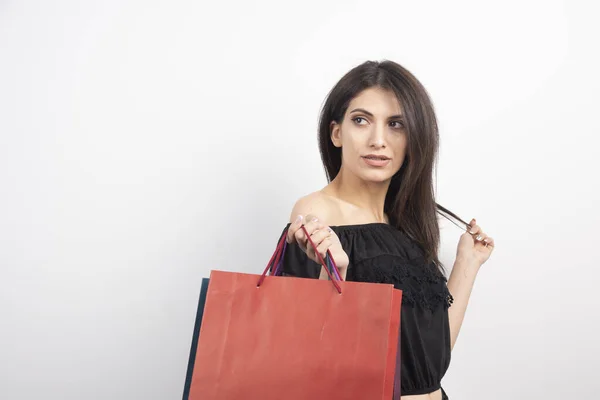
{"points": [[378, 139]]}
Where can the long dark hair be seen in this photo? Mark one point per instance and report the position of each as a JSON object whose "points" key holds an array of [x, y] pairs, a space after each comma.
{"points": [[410, 200]]}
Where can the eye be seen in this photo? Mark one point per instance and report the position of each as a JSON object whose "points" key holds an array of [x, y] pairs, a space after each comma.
{"points": [[398, 124], [358, 119]]}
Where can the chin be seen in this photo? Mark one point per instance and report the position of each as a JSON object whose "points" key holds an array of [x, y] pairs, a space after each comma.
{"points": [[377, 177]]}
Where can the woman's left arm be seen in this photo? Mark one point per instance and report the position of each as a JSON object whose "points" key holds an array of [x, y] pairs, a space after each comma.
{"points": [[474, 249]]}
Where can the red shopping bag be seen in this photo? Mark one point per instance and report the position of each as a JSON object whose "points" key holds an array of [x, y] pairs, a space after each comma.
{"points": [[273, 338]]}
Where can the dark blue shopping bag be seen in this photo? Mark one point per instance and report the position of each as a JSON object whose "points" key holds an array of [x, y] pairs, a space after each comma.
{"points": [[199, 312]]}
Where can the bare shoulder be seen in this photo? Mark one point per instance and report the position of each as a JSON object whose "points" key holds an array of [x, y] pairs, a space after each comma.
{"points": [[316, 204]]}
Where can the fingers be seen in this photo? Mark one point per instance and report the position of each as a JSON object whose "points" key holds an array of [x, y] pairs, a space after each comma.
{"points": [[324, 246], [322, 239], [321, 235], [479, 235], [294, 226], [312, 223], [474, 227], [489, 242], [295, 233], [312, 226]]}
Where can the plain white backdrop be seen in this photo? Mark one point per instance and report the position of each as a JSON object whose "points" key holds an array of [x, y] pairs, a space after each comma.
{"points": [[144, 143]]}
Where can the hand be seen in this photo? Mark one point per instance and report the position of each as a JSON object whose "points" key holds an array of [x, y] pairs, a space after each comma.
{"points": [[322, 236], [475, 245]]}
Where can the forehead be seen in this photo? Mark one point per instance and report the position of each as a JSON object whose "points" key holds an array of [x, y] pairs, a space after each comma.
{"points": [[378, 101]]}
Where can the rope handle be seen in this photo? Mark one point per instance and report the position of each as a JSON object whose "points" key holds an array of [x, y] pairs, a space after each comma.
{"points": [[277, 260]]}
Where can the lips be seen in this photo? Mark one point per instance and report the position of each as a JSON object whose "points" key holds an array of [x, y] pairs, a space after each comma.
{"points": [[376, 160], [376, 157]]}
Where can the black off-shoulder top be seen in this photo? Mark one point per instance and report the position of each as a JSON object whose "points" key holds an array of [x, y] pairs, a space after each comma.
{"points": [[381, 253]]}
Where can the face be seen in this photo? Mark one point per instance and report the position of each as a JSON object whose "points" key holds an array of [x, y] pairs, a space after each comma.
{"points": [[372, 135]]}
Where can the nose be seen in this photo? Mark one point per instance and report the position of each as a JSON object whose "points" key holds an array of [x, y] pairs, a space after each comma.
{"points": [[377, 138]]}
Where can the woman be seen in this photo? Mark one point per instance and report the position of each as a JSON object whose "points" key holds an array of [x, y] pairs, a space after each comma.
{"points": [[377, 217]]}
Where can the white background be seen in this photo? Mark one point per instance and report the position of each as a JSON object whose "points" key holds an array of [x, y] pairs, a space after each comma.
{"points": [[144, 143]]}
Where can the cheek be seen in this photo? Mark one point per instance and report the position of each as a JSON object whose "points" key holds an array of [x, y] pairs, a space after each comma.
{"points": [[400, 148], [351, 142], [400, 144], [349, 151]]}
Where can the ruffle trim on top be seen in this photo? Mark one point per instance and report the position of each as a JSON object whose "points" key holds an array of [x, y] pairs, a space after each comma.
{"points": [[421, 285]]}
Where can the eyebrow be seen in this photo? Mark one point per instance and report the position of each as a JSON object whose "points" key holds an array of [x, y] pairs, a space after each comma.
{"points": [[362, 110]]}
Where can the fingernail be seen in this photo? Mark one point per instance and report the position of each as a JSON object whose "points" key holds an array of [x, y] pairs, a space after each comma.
{"points": [[315, 220], [299, 218]]}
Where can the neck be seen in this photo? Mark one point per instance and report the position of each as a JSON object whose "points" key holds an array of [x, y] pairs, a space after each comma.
{"points": [[368, 196]]}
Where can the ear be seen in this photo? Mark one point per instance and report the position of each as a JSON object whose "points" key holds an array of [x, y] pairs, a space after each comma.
{"points": [[336, 133]]}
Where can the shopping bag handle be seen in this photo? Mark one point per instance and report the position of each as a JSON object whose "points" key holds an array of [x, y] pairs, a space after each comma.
{"points": [[277, 265], [329, 262], [329, 265]]}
